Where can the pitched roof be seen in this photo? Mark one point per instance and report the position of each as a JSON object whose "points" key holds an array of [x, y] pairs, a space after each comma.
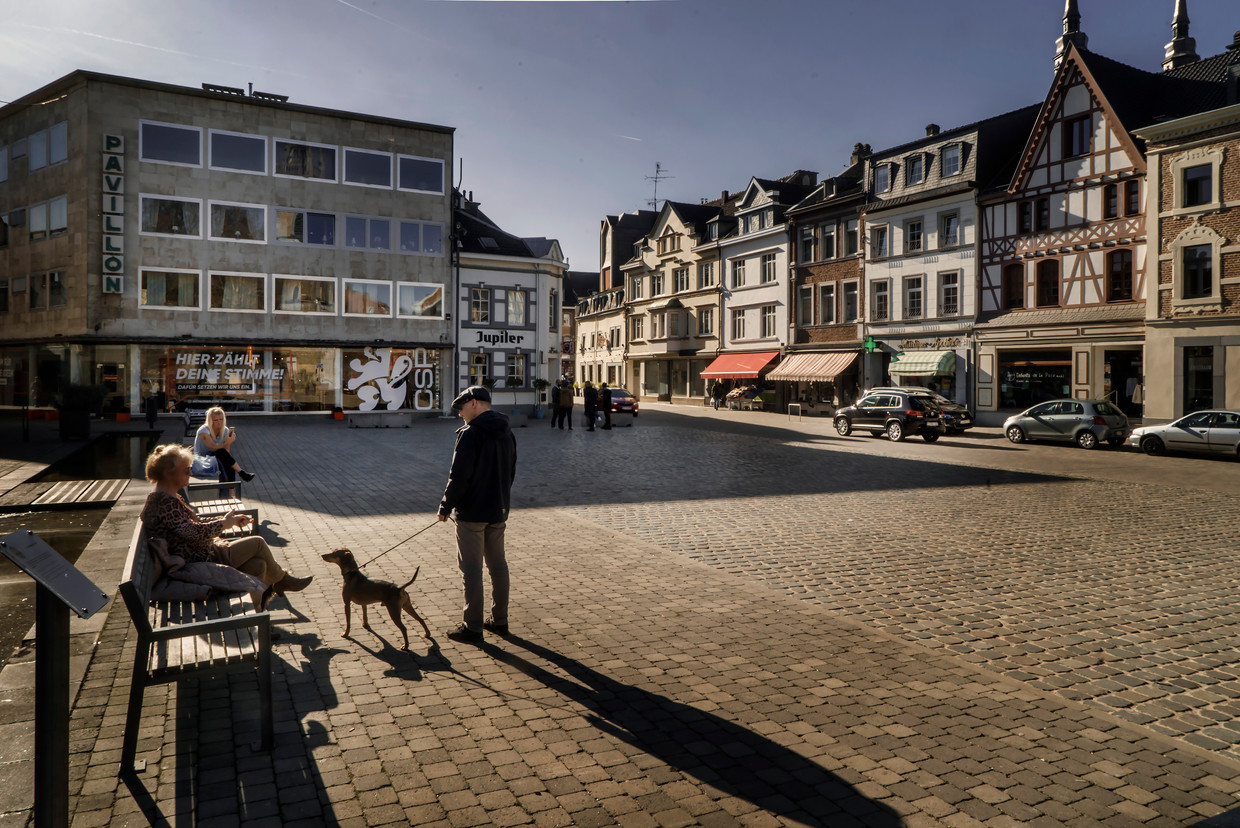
{"points": [[1140, 98], [478, 234], [578, 285]]}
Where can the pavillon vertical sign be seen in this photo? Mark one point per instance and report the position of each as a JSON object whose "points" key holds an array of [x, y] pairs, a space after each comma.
{"points": [[113, 214]]}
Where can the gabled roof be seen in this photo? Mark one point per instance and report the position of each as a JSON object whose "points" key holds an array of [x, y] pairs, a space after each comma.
{"points": [[544, 248]]}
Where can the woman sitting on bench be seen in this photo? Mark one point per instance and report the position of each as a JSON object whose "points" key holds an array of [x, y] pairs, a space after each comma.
{"points": [[214, 439], [166, 515]]}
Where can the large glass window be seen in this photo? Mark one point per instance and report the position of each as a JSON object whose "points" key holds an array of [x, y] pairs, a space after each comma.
{"points": [[368, 169], [238, 222], [177, 289], [299, 294], [515, 376], [238, 152], [57, 293], [170, 217], [238, 292], [516, 307], [367, 298], [298, 160], [170, 144], [305, 227], [423, 175], [419, 300], [1048, 283], [1198, 271], [367, 233]]}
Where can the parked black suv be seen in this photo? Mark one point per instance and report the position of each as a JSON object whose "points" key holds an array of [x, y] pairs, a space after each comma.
{"points": [[955, 416], [896, 413]]}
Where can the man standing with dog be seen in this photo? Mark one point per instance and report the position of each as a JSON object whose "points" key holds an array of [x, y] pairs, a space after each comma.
{"points": [[477, 496]]}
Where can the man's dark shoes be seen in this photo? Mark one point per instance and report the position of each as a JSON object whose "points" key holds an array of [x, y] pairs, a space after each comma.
{"points": [[245, 475], [499, 629], [463, 633]]}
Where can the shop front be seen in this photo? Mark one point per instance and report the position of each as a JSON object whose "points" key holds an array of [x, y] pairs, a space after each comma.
{"points": [[1029, 377], [940, 364], [819, 383], [742, 379]]}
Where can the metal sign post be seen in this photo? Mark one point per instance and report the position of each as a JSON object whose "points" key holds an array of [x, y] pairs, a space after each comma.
{"points": [[60, 587]]}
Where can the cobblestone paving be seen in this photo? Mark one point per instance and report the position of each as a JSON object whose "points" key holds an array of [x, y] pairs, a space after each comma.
{"points": [[667, 668]]}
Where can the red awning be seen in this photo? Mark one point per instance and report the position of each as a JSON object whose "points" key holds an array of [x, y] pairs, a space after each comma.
{"points": [[738, 366]]}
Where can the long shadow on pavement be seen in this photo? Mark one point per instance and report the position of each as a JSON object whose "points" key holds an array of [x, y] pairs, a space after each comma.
{"points": [[719, 753]]}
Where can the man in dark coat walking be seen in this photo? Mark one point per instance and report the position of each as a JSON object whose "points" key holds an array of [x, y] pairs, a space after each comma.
{"points": [[605, 402], [590, 396], [478, 494]]}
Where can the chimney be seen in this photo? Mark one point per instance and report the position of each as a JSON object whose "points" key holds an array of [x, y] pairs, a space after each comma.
{"points": [[860, 151], [932, 130], [724, 197], [1181, 50]]}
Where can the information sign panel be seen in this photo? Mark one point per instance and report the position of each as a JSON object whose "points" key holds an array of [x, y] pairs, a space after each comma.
{"points": [[43, 563]]}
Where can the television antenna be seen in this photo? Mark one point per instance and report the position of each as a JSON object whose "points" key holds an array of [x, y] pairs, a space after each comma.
{"points": [[656, 178]]}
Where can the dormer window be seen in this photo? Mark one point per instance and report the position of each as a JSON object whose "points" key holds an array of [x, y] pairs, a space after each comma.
{"points": [[668, 244], [914, 170], [712, 231], [882, 178], [950, 165]]}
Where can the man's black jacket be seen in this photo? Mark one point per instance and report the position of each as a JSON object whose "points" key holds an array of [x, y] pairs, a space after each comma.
{"points": [[483, 467]]}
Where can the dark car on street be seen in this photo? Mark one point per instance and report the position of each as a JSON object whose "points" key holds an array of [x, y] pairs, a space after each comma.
{"points": [[956, 417], [894, 412]]}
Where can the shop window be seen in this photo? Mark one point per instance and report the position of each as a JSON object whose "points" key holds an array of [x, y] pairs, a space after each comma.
{"points": [[170, 144], [237, 152], [365, 233], [421, 175], [363, 297], [415, 300], [1048, 283], [241, 292], [368, 169], [1119, 276], [1013, 286], [303, 160], [516, 308], [238, 222], [1198, 378], [301, 294], [169, 289], [305, 227], [57, 293], [166, 216], [480, 306]]}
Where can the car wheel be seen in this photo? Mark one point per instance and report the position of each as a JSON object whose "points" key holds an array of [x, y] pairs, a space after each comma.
{"points": [[895, 431], [1153, 446], [1016, 434], [931, 437], [1087, 440], [842, 426]]}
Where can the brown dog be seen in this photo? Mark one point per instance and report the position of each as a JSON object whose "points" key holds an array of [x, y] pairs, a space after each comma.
{"points": [[360, 590]]}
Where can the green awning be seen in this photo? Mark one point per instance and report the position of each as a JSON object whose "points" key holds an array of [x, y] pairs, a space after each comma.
{"points": [[924, 364]]}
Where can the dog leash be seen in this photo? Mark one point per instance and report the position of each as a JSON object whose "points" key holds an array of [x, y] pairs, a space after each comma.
{"points": [[406, 540]]}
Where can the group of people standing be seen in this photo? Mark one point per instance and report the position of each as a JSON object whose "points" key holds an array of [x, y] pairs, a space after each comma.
{"points": [[594, 399]]}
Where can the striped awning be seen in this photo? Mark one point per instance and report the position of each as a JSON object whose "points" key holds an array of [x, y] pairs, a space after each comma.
{"points": [[923, 364], [813, 367], [739, 366]]}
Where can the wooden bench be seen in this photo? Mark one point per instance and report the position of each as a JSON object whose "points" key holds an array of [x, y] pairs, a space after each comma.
{"points": [[194, 418], [178, 638], [219, 505]]}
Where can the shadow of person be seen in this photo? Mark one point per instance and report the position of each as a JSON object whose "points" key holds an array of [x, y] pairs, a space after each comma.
{"points": [[719, 752]]}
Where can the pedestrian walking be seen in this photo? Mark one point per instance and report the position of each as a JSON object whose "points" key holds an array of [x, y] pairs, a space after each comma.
{"points": [[605, 401], [716, 394], [555, 403], [484, 463], [590, 396], [566, 405]]}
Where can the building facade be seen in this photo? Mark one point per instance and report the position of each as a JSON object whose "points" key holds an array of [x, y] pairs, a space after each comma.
{"points": [[600, 339], [209, 246]]}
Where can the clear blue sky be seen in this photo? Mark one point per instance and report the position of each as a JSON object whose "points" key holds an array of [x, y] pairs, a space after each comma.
{"points": [[563, 108]]}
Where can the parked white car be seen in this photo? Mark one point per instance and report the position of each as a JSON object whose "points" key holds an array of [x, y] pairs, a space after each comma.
{"points": [[1204, 432]]}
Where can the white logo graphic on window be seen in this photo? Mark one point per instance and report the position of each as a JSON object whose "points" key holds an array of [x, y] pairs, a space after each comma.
{"points": [[379, 379]]}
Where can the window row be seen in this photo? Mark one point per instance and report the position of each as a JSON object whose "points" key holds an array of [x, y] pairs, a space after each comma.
{"points": [[514, 368], [38, 291], [822, 242], [914, 301], [1046, 282], [43, 220], [600, 339], [259, 224], [914, 238], [672, 324], [917, 167], [819, 304], [44, 148], [766, 323], [182, 145], [503, 306], [176, 289], [680, 281]]}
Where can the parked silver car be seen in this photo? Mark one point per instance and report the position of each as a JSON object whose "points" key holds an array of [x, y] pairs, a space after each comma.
{"points": [[1085, 422], [1207, 432]]}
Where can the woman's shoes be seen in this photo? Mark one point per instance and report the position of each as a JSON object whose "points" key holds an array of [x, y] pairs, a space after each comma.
{"points": [[291, 583], [268, 594], [245, 475]]}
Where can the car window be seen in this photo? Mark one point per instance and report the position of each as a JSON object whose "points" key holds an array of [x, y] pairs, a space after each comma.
{"points": [[619, 392], [1228, 419], [1199, 420], [1072, 408], [1044, 410], [1106, 409]]}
